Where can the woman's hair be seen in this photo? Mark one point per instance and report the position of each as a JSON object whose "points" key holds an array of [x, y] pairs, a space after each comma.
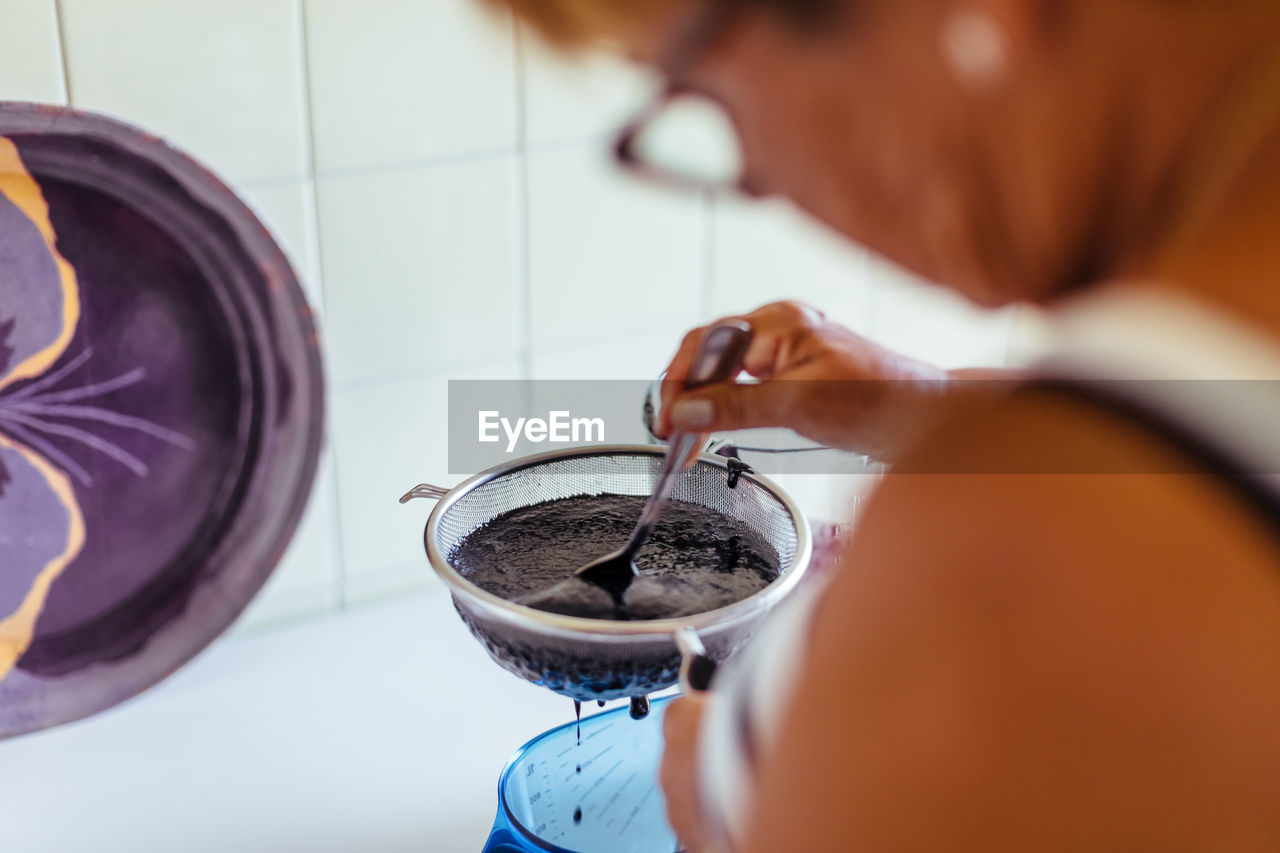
{"points": [[580, 23]]}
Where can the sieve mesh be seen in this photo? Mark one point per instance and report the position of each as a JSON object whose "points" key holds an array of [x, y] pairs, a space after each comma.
{"points": [[579, 663]]}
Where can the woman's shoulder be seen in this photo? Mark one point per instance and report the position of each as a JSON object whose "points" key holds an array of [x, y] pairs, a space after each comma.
{"points": [[1040, 646], [1146, 423], [1049, 476]]}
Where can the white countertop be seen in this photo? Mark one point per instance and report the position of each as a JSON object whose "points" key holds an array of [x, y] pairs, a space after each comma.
{"points": [[379, 730]]}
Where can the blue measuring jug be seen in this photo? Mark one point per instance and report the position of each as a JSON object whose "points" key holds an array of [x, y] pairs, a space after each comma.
{"points": [[600, 796]]}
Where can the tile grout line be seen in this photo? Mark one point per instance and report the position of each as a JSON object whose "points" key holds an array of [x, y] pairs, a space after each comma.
{"points": [[58, 17], [521, 208], [447, 158], [275, 182], [431, 161], [438, 369], [304, 60], [707, 222]]}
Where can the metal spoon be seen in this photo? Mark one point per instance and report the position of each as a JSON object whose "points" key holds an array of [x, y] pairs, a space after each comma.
{"points": [[719, 358]]}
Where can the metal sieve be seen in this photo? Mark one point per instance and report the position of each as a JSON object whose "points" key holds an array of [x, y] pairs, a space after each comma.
{"points": [[596, 658]]}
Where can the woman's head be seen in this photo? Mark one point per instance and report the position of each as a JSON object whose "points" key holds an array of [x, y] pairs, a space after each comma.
{"points": [[1009, 149]]}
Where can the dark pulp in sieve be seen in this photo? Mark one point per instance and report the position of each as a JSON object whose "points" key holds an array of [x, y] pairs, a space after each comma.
{"points": [[696, 560]]}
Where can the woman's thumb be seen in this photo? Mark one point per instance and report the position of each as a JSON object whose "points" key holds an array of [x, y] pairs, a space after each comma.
{"points": [[727, 406]]}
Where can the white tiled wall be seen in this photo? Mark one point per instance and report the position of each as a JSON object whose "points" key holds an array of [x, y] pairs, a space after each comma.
{"points": [[568, 101], [222, 78], [31, 62], [605, 258], [395, 82], [440, 181], [419, 268], [762, 252]]}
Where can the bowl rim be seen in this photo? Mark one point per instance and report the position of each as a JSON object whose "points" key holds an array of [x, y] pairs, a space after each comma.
{"points": [[519, 615]]}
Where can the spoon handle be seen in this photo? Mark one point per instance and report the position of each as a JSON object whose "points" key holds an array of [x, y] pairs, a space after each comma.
{"points": [[718, 359], [720, 354]]}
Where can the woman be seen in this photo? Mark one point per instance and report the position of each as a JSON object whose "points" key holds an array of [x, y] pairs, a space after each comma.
{"points": [[1058, 624]]}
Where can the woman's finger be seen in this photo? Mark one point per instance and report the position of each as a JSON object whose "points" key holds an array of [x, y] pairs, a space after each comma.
{"points": [[778, 331], [678, 775], [730, 406], [676, 374]]}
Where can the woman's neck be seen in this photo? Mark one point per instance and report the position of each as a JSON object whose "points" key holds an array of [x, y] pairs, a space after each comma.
{"points": [[1218, 241], [1234, 262]]}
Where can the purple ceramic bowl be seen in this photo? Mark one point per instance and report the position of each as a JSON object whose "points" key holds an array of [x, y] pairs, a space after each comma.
{"points": [[161, 411]]}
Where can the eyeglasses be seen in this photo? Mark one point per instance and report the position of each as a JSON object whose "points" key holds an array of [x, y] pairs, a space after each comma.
{"points": [[682, 138]]}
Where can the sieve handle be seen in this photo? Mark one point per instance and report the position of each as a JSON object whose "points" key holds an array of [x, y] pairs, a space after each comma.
{"points": [[697, 668], [424, 490]]}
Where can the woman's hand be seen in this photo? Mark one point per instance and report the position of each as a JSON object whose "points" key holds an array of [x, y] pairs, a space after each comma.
{"points": [[680, 725], [820, 379]]}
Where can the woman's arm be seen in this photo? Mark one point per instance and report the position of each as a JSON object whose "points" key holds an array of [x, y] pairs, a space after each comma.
{"points": [[825, 382]]}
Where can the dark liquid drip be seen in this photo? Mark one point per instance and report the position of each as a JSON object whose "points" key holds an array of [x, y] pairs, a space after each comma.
{"points": [[639, 707], [577, 713], [600, 703]]}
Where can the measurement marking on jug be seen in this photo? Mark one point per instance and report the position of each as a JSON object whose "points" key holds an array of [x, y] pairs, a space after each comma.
{"points": [[621, 788], [616, 794], [635, 811], [600, 731], [603, 777]]}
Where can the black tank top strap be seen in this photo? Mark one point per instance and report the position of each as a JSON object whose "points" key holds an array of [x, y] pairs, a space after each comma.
{"points": [[1205, 380], [1256, 480]]}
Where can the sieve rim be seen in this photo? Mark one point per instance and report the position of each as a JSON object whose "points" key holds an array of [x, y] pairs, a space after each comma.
{"points": [[576, 626]]}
